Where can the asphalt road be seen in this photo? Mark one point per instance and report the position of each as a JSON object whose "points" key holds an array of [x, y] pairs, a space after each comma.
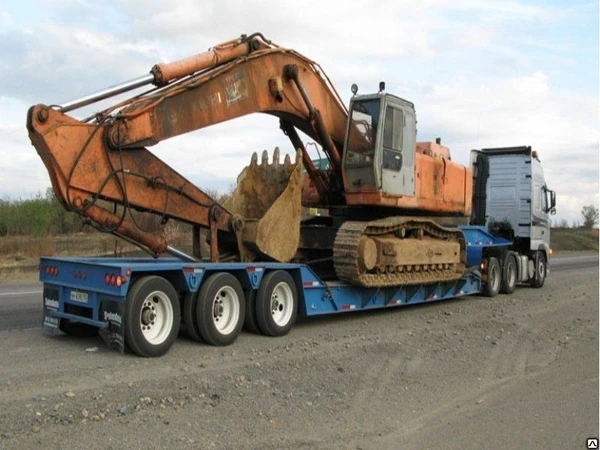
{"points": [[20, 304], [517, 371]]}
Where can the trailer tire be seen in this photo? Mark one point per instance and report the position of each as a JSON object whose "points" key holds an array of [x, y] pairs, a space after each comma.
{"points": [[250, 322], [188, 312], [491, 287], [220, 309], [77, 329], [539, 276], [509, 274], [277, 304], [152, 316]]}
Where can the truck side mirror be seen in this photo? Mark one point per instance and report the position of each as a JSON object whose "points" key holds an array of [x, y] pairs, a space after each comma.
{"points": [[552, 204]]}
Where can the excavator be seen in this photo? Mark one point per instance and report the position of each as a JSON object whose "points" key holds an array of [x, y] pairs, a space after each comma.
{"points": [[393, 203]]}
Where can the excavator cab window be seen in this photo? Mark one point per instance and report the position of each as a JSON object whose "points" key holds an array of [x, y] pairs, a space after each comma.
{"points": [[363, 133], [380, 143], [392, 139], [361, 144]]}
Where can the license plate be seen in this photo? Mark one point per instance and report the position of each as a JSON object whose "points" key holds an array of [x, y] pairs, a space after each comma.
{"points": [[77, 296]]}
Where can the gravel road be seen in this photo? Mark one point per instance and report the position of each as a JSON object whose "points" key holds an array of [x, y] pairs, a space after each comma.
{"points": [[511, 372]]}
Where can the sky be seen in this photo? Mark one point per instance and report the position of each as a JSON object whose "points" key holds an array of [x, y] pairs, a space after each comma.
{"points": [[481, 74]]}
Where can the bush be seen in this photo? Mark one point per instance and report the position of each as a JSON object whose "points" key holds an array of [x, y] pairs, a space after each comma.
{"points": [[38, 216]]}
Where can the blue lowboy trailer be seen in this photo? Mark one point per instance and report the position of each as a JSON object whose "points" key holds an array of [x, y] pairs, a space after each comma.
{"points": [[141, 303]]}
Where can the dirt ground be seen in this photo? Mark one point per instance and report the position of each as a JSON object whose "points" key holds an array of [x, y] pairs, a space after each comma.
{"points": [[511, 372]]}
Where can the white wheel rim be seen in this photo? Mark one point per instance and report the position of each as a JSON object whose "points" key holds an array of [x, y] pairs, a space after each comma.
{"points": [[512, 274], [541, 269], [495, 274], [282, 304], [226, 310], [156, 317]]}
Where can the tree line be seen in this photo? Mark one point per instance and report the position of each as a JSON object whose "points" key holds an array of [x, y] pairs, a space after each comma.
{"points": [[37, 216], [43, 215], [590, 215]]}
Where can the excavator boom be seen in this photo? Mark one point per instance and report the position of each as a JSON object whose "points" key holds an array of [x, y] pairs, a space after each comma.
{"points": [[106, 158]]}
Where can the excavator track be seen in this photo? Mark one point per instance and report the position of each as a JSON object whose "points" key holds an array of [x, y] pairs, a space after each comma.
{"points": [[421, 239]]}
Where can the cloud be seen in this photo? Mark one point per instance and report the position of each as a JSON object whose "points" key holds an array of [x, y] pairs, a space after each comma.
{"points": [[525, 110], [481, 74], [57, 63]]}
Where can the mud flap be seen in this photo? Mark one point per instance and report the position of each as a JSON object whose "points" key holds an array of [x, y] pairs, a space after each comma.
{"points": [[114, 334], [50, 322]]}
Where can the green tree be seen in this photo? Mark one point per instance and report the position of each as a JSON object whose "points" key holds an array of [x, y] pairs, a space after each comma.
{"points": [[590, 216]]}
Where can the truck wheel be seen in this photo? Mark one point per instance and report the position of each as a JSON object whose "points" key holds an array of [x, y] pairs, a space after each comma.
{"points": [[77, 329], [250, 322], [509, 275], [277, 304], [188, 311], [220, 309], [539, 276], [152, 316], [494, 276]]}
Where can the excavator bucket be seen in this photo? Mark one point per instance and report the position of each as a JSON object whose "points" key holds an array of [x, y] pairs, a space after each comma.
{"points": [[268, 197]]}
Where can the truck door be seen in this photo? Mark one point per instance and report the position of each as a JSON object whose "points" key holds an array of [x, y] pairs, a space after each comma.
{"points": [[397, 162], [540, 223]]}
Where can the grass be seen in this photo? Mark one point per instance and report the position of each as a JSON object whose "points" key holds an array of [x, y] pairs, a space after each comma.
{"points": [[22, 253], [574, 239]]}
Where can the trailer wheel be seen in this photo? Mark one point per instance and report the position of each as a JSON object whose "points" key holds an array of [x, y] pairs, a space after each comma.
{"points": [[250, 322], [220, 309], [188, 312], [539, 277], [277, 304], [152, 316], [509, 275], [77, 329], [494, 276]]}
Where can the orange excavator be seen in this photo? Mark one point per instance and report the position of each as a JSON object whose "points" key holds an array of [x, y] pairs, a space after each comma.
{"points": [[392, 202]]}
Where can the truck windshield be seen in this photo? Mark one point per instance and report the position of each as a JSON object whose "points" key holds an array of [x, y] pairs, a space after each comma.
{"points": [[362, 134]]}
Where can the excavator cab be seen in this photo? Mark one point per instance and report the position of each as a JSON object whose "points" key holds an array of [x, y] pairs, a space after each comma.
{"points": [[379, 152]]}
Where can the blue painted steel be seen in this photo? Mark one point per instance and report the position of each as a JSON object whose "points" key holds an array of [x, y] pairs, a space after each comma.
{"points": [[82, 291], [479, 239], [340, 297]]}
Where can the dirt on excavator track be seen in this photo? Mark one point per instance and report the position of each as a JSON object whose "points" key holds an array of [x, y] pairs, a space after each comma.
{"points": [[420, 267]]}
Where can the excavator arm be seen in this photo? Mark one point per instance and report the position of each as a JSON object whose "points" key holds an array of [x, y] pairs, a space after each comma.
{"points": [[105, 158]]}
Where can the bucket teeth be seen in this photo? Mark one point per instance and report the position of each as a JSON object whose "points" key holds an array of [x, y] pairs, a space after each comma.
{"points": [[268, 197], [275, 172], [265, 159]]}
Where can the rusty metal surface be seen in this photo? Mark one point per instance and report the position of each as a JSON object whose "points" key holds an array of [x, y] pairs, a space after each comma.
{"points": [[154, 241], [268, 196], [441, 187], [364, 265], [82, 168], [220, 54], [108, 160], [232, 90]]}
